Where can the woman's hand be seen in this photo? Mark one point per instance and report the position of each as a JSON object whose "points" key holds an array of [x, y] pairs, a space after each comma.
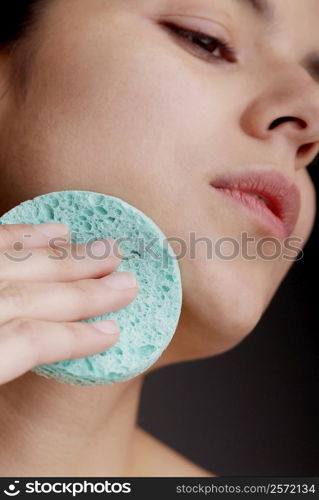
{"points": [[46, 286]]}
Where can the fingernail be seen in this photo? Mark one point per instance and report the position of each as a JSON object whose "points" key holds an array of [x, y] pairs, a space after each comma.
{"points": [[52, 229], [120, 280], [106, 326]]}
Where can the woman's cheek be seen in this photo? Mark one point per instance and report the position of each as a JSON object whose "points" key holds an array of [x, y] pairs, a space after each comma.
{"points": [[106, 110]]}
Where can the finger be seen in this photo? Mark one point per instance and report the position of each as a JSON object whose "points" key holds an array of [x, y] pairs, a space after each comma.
{"points": [[73, 301], [19, 236], [26, 343], [61, 262]]}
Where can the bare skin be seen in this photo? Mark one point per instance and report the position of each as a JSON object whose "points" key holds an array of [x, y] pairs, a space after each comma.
{"points": [[154, 138]]}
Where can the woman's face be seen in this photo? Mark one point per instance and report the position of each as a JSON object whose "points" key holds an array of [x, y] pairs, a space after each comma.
{"points": [[116, 103]]}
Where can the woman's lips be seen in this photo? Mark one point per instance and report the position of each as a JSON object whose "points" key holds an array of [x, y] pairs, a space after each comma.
{"points": [[279, 206], [260, 210]]}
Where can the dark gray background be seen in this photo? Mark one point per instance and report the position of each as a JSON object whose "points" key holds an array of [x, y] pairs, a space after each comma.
{"points": [[252, 410]]}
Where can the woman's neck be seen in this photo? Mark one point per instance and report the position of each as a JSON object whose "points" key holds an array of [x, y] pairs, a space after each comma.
{"points": [[53, 429]]}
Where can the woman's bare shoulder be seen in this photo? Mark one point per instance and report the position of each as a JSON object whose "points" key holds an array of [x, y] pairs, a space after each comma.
{"points": [[153, 458]]}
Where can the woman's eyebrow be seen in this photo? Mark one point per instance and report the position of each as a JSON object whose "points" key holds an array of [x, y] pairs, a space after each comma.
{"points": [[261, 7]]}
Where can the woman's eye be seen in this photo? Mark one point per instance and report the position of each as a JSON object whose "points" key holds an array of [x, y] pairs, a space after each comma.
{"points": [[202, 43]]}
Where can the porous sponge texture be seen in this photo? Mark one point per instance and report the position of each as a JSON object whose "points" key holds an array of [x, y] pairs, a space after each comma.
{"points": [[147, 324]]}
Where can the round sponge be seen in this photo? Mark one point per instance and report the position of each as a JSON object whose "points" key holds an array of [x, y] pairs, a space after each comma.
{"points": [[148, 323]]}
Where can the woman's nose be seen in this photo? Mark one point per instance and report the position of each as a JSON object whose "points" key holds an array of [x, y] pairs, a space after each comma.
{"points": [[286, 113]]}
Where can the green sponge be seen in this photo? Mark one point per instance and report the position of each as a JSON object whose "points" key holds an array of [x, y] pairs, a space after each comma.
{"points": [[148, 323]]}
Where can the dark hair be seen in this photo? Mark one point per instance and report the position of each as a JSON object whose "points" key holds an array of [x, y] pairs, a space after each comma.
{"points": [[17, 20], [16, 29]]}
